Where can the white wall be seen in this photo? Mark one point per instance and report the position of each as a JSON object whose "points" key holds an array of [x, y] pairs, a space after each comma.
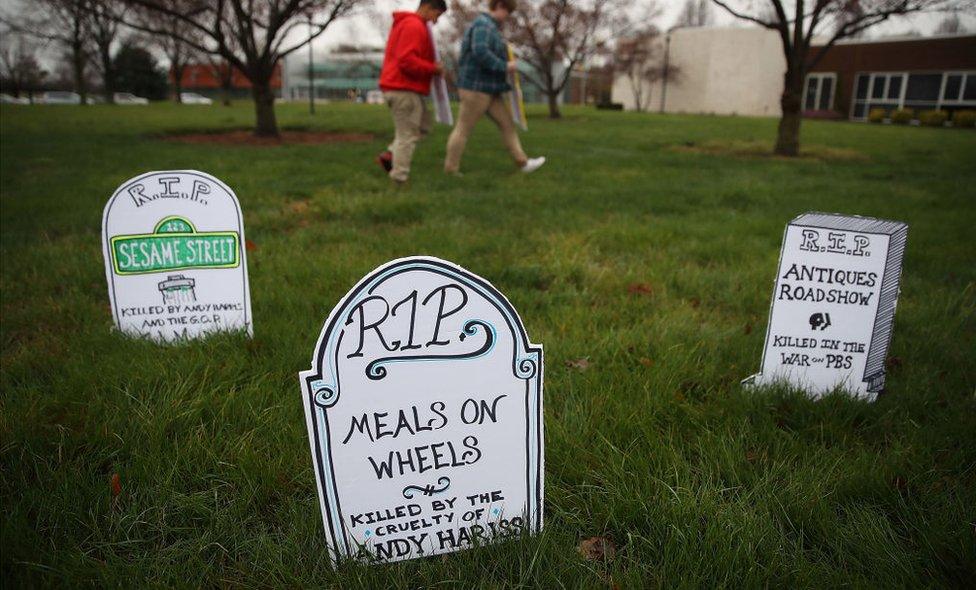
{"points": [[719, 70]]}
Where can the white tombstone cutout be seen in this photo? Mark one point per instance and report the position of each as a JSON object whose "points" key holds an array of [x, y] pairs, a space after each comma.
{"points": [[175, 260], [833, 305], [424, 414]]}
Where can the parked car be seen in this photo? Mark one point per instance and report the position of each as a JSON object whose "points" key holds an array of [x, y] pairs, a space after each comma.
{"points": [[129, 98], [194, 98], [8, 99], [60, 97]]}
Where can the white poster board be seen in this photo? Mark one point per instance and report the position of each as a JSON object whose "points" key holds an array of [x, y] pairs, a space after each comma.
{"points": [[438, 87], [833, 305], [175, 260], [424, 415]]}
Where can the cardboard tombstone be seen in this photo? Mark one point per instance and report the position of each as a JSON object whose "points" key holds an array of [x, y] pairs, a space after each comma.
{"points": [[833, 304], [424, 415], [175, 260]]}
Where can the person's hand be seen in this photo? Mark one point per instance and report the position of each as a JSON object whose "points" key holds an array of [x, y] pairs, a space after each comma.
{"points": [[512, 67], [438, 69]]}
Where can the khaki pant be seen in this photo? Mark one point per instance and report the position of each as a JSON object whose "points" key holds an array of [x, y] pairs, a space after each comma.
{"points": [[411, 119], [473, 106]]}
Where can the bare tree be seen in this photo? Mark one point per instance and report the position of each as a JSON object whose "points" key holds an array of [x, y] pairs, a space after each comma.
{"points": [[21, 70], [252, 36], [65, 23], [555, 36], [695, 13], [223, 72], [798, 21], [171, 36], [638, 58], [104, 18]]}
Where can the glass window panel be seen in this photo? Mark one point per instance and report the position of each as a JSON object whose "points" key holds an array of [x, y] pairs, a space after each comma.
{"points": [[860, 110], [862, 86], [923, 87], [810, 102], [970, 92], [952, 87], [894, 87], [826, 88], [878, 88]]}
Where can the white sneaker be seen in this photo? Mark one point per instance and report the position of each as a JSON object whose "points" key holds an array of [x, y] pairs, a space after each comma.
{"points": [[533, 164]]}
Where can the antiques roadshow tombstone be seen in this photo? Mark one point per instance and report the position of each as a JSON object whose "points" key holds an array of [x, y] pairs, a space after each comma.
{"points": [[833, 304], [424, 415], [174, 260]]}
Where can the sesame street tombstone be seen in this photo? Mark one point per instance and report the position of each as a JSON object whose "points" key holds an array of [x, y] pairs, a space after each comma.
{"points": [[174, 257], [833, 306], [424, 415]]}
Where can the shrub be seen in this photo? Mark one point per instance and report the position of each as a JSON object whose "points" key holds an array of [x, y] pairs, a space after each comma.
{"points": [[964, 119], [877, 115], [933, 118], [902, 116]]}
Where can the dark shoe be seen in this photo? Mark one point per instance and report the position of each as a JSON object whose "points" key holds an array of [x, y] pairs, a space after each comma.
{"points": [[385, 159]]}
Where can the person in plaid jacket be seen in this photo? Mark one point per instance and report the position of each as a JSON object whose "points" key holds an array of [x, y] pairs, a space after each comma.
{"points": [[482, 80]]}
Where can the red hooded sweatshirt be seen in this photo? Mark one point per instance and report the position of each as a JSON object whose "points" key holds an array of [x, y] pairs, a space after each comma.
{"points": [[408, 63]]}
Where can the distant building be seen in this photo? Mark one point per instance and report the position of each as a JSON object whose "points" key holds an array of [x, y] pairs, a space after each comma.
{"points": [[336, 76], [347, 74], [740, 72], [920, 73], [205, 79]]}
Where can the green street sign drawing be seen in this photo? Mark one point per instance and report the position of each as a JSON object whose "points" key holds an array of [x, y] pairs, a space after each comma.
{"points": [[175, 244]]}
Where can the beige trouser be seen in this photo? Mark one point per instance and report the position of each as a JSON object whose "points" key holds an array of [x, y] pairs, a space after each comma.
{"points": [[411, 119], [473, 106]]}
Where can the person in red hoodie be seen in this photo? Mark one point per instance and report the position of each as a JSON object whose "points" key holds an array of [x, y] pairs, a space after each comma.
{"points": [[408, 66]]}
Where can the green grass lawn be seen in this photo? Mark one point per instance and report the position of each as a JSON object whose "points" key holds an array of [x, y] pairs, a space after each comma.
{"points": [[653, 445]]}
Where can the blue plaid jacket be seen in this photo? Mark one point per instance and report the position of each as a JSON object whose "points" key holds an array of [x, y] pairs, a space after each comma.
{"points": [[484, 57]]}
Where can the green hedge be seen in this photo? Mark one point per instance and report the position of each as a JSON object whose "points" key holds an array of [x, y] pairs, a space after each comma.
{"points": [[933, 118], [965, 118], [902, 116]]}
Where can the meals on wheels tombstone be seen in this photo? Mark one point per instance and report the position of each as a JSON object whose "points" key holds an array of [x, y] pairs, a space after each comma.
{"points": [[833, 304], [174, 257], [424, 415]]}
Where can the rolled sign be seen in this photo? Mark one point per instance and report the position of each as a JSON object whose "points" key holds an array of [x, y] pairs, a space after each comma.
{"points": [[174, 257], [438, 87], [833, 306], [424, 414]]}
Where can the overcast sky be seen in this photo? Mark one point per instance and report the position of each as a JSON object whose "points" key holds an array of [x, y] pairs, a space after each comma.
{"points": [[366, 27]]}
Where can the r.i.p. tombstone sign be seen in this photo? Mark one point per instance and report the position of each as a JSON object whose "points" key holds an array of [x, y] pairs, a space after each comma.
{"points": [[174, 257], [833, 305], [424, 414]]}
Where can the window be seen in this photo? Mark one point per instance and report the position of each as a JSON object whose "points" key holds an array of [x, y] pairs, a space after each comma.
{"points": [[952, 87], [879, 90], [919, 91], [819, 94]]}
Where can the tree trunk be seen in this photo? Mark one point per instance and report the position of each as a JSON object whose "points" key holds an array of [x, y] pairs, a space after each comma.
{"points": [[554, 105], [178, 83], [108, 76], [78, 65], [266, 123], [788, 136]]}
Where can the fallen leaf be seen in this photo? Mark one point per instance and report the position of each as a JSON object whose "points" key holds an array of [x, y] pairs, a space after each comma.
{"points": [[751, 456], [695, 302], [640, 289], [646, 362], [597, 549], [748, 329], [249, 245], [579, 364], [893, 362], [116, 485]]}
